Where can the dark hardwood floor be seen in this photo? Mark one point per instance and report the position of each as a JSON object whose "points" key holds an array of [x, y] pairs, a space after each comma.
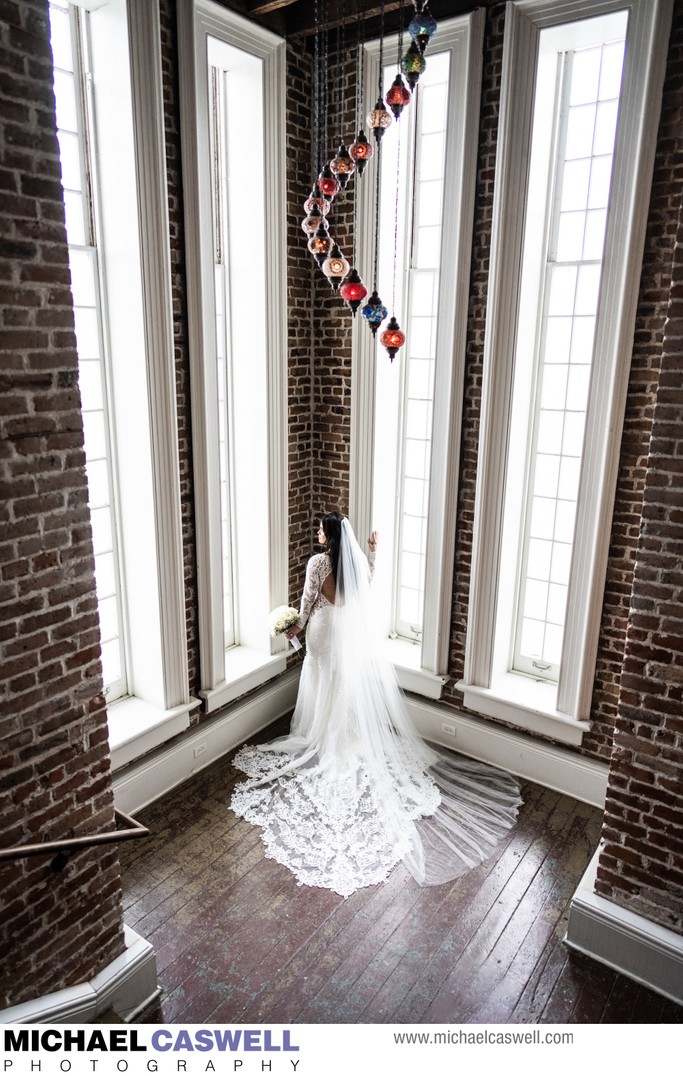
{"points": [[237, 940]]}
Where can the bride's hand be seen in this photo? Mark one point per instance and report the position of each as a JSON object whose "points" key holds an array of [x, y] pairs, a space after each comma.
{"points": [[291, 632], [372, 541]]}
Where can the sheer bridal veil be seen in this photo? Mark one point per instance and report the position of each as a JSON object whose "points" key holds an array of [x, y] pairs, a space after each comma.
{"points": [[353, 789]]}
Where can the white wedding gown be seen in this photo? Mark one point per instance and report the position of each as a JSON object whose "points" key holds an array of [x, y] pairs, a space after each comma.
{"points": [[353, 789]]}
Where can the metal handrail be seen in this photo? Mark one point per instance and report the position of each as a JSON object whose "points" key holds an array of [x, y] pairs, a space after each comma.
{"points": [[65, 848]]}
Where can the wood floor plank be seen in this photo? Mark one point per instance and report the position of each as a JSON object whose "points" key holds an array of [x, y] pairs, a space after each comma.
{"points": [[237, 940]]}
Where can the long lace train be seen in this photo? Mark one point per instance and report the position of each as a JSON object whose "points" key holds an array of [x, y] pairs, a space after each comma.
{"points": [[353, 789]]}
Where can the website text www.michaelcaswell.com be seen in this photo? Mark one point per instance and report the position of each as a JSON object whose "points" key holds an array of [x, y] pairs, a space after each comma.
{"points": [[460, 1037]]}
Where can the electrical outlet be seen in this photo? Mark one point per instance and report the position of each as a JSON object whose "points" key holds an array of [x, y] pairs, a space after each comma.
{"points": [[448, 728], [199, 750]]}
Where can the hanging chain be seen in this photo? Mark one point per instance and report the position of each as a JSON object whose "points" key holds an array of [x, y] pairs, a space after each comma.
{"points": [[377, 190], [380, 80], [398, 182]]}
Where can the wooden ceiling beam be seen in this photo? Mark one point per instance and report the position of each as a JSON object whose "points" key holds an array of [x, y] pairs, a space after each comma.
{"points": [[264, 7]]}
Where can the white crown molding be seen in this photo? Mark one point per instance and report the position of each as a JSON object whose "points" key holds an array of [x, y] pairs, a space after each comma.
{"points": [[127, 985], [624, 941]]}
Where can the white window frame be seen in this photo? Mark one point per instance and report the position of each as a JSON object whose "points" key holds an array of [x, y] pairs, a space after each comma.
{"points": [[260, 524], [561, 712], [135, 256], [423, 668]]}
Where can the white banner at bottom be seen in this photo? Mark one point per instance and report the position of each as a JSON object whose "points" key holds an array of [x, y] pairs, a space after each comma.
{"points": [[329, 1049]]}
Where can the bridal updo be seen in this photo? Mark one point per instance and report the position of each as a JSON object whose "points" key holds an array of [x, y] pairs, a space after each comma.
{"points": [[331, 524]]}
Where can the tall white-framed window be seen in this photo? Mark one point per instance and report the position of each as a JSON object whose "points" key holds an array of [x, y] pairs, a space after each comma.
{"points": [[69, 35], [579, 109], [406, 413], [232, 108], [107, 73]]}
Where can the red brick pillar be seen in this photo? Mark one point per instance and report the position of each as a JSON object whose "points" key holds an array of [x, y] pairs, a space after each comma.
{"points": [[641, 863], [56, 929]]}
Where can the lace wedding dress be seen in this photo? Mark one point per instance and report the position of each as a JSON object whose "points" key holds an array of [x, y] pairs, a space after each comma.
{"points": [[353, 789]]}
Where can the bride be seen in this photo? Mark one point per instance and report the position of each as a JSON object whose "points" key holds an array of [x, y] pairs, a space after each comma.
{"points": [[353, 789]]}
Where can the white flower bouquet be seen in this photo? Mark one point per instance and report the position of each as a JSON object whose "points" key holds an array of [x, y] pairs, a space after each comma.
{"points": [[280, 620]]}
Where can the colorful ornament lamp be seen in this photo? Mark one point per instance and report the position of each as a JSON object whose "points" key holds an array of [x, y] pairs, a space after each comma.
{"points": [[335, 267], [413, 64], [353, 291], [374, 312], [398, 96], [378, 119], [392, 338], [422, 27]]}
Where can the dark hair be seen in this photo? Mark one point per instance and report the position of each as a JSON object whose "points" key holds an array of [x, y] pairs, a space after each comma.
{"points": [[331, 523]]}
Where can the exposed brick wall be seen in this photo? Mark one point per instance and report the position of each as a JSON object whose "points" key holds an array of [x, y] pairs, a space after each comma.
{"points": [[651, 314], [55, 777], [300, 285], [641, 862]]}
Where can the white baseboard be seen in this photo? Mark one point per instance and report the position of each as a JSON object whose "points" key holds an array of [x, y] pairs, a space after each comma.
{"points": [[544, 763], [127, 985], [645, 951], [157, 773]]}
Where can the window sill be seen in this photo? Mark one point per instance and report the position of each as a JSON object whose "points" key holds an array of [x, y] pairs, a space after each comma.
{"points": [[245, 669], [528, 704], [405, 657], [136, 727]]}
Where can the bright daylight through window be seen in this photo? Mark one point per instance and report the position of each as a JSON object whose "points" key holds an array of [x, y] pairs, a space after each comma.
{"points": [[75, 128], [577, 99]]}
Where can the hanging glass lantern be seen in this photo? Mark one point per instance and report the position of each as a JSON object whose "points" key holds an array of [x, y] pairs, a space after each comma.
{"points": [[316, 199], [398, 96], [320, 244], [327, 183], [361, 151], [378, 119], [374, 312], [422, 27], [312, 222], [335, 267], [353, 290], [342, 166], [413, 64], [392, 338]]}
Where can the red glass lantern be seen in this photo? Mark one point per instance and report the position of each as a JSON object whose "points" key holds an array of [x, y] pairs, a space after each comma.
{"points": [[316, 200], [353, 290], [398, 96], [327, 183], [392, 338], [361, 151]]}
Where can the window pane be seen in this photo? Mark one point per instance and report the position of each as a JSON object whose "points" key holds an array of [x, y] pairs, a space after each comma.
{"points": [[585, 77], [409, 607], [111, 661], [416, 459], [570, 470], [587, 289], [564, 521], [65, 100], [425, 293], [532, 637], [421, 337], [87, 336], [98, 483], [558, 335], [414, 494], [418, 415], [546, 475], [536, 599], [583, 330], [109, 619], [75, 223], [428, 247], [561, 562], [82, 277], [94, 434], [550, 432], [610, 74], [557, 602], [412, 537], [60, 39], [577, 387], [605, 127], [575, 185], [542, 517], [540, 554], [431, 156], [90, 384], [562, 288], [420, 376], [70, 160], [570, 237], [104, 575], [100, 519], [431, 198], [601, 174], [554, 387], [580, 132]]}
